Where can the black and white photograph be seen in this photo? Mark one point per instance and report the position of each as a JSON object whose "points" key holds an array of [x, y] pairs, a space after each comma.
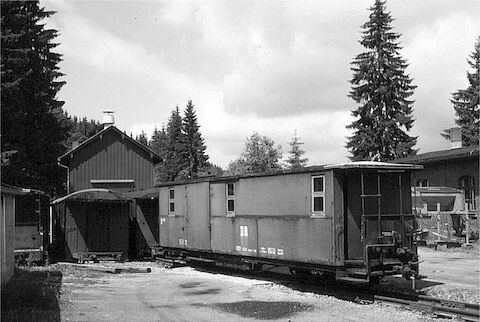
{"points": [[240, 160]]}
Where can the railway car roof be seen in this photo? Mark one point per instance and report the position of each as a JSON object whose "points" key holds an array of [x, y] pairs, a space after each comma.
{"points": [[337, 166], [94, 195]]}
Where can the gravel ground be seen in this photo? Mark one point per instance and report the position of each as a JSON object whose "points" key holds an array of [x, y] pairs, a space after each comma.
{"points": [[451, 274], [186, 294]]}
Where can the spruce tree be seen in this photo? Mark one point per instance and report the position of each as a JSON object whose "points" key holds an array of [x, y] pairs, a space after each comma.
{"points": [[295, 159], [32, 119], [159, 141], [142, 138], [466, 102], [176, 155], [382, 88], [195, 145]]}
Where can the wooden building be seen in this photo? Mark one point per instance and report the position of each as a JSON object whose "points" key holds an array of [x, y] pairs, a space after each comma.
{"points": [[114, 161], [110, 160], [457, 167]]}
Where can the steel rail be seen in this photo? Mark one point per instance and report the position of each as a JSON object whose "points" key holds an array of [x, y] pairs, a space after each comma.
{"points": [[437, 306]]}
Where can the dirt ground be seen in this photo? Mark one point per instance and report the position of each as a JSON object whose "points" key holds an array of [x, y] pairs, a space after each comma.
{"points": [[188, 294], [452, 274]]}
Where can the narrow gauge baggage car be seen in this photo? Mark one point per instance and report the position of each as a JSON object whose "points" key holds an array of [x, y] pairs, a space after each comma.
{"points": [[351, 220]]}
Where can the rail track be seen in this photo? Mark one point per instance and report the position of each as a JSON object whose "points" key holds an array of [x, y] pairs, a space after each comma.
{"points": [[435, 306]]}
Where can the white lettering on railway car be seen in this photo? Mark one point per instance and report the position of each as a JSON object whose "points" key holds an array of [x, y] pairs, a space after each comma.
{"points": [[162, 220], [186, 242], [280, 252], [181, 241], [239, 248], [250, 250], [244, 249], [271, 251], [263, 250]]}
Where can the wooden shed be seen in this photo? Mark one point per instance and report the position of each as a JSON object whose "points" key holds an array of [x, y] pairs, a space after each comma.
{"points": [[111, 160], [92, 224]]}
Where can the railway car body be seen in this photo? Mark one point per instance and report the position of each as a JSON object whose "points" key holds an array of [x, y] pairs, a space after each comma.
{"points": [[353, 220], [31, 227], [91, 224]]}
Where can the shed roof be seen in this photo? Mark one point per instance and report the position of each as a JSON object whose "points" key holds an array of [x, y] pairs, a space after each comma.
{"points": [[155, 157], [94, 195], [151, 193], [7, 188], [443, 155]]}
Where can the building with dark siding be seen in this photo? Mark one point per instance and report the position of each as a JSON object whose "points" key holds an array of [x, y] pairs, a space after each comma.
{"points": [[457, 167], [110, 159]]}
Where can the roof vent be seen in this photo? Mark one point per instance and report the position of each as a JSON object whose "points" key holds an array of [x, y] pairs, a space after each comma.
{"points": [[108, 118], [455, 137]]}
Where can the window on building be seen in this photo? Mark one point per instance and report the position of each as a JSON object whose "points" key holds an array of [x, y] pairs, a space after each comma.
{"points": [[230, 187], [171, 197], [318, 194], [467, 184], [423, 183]]}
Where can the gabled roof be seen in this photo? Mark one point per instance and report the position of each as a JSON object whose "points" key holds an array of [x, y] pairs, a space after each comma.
{"points": [[155, 157], [443, 155]]}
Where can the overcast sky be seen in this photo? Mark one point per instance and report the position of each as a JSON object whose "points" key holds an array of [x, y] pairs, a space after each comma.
{"points": [[270, 67]]}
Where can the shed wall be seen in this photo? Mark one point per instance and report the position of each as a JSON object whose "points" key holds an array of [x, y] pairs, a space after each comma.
{"points": [[111, 157], [7, 237]]}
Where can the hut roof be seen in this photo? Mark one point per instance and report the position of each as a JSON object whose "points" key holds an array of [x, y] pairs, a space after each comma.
{"points": [[94, 195]]}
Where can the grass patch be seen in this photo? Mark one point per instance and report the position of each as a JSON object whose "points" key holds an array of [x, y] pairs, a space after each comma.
{"points": [[32, 295]]}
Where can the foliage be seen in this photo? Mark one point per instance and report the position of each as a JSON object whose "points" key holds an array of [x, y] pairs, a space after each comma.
{"points": [[295, 159], [259, 155], [81, 130], [195, 145], [466, 102], [32, 119], [142, 138], [176, 154], [382, 89], [159, 141], [32, 295]]}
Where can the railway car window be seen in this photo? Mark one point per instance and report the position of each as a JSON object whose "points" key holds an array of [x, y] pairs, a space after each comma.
{"points": [[230, 187], [171, 196], [423, 183], [318, 194]]}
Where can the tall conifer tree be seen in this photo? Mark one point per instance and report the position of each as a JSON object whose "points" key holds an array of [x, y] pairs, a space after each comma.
{"points": [[466, 102], [382, 88], [159, 141], [33, 122], [176, 156], [197, 159]]}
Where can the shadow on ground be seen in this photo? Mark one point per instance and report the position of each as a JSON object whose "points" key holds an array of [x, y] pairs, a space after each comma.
{"points": [[349, 291], [32, 295]]}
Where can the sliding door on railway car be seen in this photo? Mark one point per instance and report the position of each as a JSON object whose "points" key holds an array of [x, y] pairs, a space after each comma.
{"points": [[377, 203]]}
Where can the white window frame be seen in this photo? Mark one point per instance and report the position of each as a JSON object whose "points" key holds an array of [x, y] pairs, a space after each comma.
{"points": [[171, 201], [230, 197], [316, 194]]}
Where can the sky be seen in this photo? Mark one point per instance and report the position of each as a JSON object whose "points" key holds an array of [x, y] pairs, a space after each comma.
{"points": [[272, 67]]}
